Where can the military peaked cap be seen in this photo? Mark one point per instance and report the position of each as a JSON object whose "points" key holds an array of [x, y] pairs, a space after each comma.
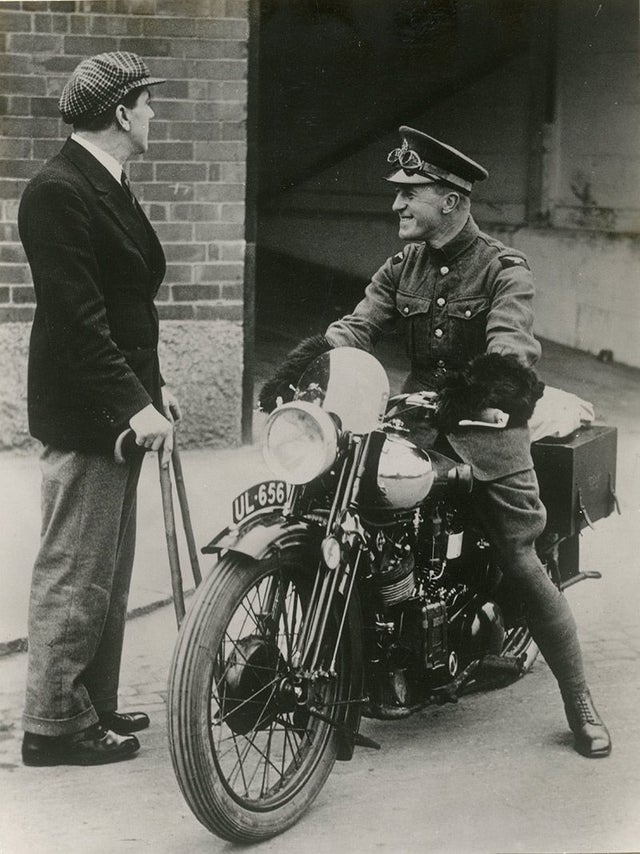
{"points": [[421, 159]]}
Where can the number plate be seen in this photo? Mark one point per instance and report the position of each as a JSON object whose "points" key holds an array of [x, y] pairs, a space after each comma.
{"points": [[262, 496]]}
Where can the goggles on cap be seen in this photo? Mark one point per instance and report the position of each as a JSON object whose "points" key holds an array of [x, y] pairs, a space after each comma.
{"points": [[410, 161], [407, 158]]}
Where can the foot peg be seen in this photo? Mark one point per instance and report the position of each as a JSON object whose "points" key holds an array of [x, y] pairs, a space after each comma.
{"points": [[484, 672]]}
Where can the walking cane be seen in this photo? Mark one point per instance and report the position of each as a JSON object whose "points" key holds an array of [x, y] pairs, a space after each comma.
{"points": [[124, 447], [186, 516]]}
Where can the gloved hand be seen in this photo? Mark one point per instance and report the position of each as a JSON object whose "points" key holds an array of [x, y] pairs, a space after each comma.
{"points": [[282, 384], [489, 382], [274, 393]]}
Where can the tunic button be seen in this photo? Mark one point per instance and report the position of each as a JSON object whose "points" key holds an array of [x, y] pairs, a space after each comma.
{"points": [[406, 309], [467, 313], [440, 301], [440, 363], [444, 270], [438, 333]]}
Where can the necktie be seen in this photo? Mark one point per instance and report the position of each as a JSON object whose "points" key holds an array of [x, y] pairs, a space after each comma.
{"points": [[126, 187]]}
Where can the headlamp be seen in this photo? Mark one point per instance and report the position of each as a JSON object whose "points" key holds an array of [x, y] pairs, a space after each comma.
{"points": [[300, 442]]}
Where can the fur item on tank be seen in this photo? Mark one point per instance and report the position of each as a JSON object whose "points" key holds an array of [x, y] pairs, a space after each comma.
{"points": [[285, 378], [489, 381]]}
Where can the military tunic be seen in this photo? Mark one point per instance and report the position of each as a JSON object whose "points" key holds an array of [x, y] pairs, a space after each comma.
{"points": [[473, 295]]}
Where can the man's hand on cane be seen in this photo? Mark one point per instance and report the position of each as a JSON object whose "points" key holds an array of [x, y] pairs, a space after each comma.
{"points": [[153, 432], [171, 406]]}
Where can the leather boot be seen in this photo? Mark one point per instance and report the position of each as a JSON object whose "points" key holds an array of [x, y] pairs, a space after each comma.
{"points": [[124, 723], [93, 746], [592, 738]]}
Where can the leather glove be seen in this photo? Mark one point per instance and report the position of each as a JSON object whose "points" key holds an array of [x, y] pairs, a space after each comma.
{"points": [[490, 381], [282, 383]]}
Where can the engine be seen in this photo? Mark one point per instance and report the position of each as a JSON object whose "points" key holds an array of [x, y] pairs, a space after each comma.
{"points": [[425, 620]]}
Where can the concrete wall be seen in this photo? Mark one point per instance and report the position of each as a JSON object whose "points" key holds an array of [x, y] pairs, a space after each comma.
{"points": [[191, 183], [559, 130]]}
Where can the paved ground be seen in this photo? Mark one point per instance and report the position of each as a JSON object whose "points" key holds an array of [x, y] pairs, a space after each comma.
{"points": [[493, 774]]}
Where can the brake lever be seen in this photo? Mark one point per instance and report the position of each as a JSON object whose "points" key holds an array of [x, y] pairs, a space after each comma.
{"points": [[423, 399]]}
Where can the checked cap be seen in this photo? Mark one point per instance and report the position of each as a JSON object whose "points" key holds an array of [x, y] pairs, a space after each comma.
{"points": [[100, 82]]}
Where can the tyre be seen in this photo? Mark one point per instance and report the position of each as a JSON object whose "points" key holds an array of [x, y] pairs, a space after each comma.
{"points": [[249, 753]]}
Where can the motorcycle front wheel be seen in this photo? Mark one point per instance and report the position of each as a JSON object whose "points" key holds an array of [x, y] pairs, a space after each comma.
{"points": [[249, 753]]}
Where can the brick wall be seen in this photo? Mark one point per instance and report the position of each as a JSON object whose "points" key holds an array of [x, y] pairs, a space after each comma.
{"points": [[191, 181]]}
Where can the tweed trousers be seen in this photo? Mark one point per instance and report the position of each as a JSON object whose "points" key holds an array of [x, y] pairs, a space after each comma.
{"points": [[79, 590]]}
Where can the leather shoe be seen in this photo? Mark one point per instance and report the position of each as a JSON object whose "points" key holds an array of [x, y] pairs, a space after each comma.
{"points": [[92, 746], [124, 722], [591, 737]]}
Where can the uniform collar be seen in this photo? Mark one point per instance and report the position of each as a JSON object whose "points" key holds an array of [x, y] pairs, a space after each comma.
{"points": [[463, 239]]}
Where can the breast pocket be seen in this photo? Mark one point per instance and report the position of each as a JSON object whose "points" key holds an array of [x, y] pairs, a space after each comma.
{"points": [[415, 311], [468, 325]]}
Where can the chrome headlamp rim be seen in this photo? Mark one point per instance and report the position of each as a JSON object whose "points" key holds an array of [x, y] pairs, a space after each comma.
{"points": [[315, 464]]}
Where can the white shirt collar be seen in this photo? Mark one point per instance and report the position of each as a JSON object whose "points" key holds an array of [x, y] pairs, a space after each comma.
{"points": [[110, 163]]}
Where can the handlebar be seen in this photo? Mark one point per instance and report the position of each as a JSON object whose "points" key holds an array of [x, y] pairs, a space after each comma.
{"points": [[427, 401]]}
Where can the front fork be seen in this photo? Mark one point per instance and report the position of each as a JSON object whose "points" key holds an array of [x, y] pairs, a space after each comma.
{"points": [[334, 584]]}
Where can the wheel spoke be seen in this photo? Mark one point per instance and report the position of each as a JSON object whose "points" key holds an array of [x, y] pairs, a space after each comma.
{"points": [[249, 699], [265, 772], [227, 740], [287, 634], [253, 745], [240, 766], [294, 750]]}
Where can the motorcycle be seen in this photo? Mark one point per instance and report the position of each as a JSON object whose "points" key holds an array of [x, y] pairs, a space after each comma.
{"points": [[355, 583]]}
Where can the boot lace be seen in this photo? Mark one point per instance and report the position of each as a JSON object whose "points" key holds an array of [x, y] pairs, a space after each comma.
{"points": [[585, 710]]}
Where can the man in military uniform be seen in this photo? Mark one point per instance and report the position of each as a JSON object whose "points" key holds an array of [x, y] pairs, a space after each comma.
{"points": [[464, 301]]}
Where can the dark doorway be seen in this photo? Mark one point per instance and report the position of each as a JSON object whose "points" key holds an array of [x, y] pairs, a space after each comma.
{"points": [[333, 79]]}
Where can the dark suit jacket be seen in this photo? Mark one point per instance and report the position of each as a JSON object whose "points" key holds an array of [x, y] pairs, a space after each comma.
{"points": [[96, 264]]}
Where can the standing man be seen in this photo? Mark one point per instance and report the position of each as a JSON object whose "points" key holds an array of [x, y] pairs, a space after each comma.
{"points": [[464, 301], [93, 372]]}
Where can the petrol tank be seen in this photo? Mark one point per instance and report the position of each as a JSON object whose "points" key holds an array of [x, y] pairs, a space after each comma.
{"points": [[400, 475]]}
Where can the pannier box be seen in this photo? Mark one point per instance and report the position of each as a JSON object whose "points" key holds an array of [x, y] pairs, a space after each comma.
{"points": [[577, 477]]}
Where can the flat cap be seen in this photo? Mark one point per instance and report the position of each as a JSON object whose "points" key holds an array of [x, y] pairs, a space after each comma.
{"points": [[421, 159], [100, 82]]}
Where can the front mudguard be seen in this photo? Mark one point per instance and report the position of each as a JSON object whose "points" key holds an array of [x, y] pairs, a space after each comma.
{"points": [[258, 539]]}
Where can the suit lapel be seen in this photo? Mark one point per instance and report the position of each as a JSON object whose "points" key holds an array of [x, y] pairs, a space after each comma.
{"points": [[127, 217], [157, 260], [136, 227]]}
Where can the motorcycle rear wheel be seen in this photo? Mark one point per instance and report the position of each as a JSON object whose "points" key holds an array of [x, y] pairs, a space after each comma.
{"points": [[249, 759]]}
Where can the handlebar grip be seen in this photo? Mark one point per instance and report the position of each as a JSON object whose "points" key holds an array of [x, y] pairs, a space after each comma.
{"points": [[126, 446]]}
